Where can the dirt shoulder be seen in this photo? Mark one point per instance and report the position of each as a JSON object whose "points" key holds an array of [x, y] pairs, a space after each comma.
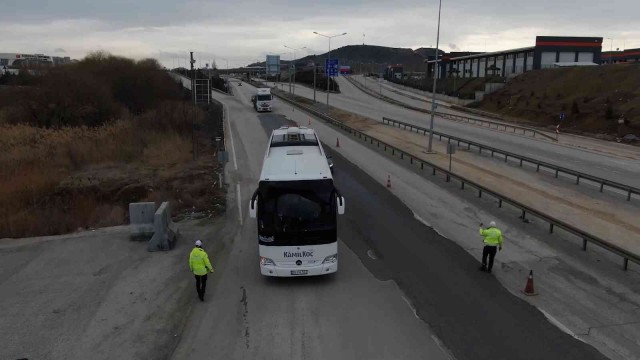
{"points": [[97, 294]]}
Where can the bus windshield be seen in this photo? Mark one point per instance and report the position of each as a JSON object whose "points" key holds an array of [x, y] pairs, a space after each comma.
{"points": [[296, 212]]}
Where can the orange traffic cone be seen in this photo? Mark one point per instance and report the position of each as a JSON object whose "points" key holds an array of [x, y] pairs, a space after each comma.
{"points": [[528, 289], [337, 142], [388, 181]]}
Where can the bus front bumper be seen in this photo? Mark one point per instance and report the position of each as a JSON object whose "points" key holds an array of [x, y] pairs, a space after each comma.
{"points": [[323, 269]]}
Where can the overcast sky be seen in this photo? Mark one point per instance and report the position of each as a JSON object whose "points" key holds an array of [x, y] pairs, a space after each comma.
{"points": [[245, 31]]}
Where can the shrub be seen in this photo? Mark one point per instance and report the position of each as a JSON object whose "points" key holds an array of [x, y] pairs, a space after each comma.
{"points": [[574, 108]]}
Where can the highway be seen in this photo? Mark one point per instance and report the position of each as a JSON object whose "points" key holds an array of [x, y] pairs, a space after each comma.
{"points": [[622, 168], [403, 291]]}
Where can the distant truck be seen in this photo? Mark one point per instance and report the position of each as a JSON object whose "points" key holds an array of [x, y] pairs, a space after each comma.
{"points": [[262, 100]]}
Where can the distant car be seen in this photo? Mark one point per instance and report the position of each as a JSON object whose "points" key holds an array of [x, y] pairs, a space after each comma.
{"points": [[330, 162]]}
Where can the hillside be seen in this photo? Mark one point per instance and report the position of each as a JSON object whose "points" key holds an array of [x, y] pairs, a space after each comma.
{"points": [[592, 98], [355, 55]]}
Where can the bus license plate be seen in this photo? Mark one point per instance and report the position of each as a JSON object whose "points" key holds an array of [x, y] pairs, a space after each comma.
{"points": [[299, 272]]}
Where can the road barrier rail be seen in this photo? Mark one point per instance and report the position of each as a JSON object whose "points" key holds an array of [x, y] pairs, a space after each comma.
{"points": [[629, 190]]}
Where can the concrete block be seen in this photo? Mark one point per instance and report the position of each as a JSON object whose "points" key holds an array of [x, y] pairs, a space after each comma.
{"points": [[141, 220], [165, 231]]}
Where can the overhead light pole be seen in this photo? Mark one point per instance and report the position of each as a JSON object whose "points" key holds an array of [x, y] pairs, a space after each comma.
{"points": [[294, 66], [328, 59], [433, 93]]}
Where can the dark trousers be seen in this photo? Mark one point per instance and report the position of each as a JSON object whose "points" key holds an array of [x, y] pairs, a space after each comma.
{"points": [[201, 285], [491, 251]]}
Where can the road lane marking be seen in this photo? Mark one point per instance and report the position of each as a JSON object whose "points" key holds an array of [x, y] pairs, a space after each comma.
{"points": [[233, 148], [559, 325], [239, 196], [442, 347], [415, 313]]}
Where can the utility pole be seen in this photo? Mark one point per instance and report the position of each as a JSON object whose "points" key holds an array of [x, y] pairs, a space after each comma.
{"points": [[433, 97], [315, 70], [327, 71], [193, 121]]}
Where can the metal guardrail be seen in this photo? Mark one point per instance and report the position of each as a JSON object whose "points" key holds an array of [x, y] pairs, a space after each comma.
{"points": [[507, 154], [516, 129], [553, 222]]}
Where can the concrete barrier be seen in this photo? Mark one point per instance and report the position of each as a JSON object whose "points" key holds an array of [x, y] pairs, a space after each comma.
{"points": [[165, 231], [141, 220]]}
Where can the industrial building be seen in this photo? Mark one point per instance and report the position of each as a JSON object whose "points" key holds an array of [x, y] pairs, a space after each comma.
{"points": [[624, 56], [548, 51], [18, 60]]}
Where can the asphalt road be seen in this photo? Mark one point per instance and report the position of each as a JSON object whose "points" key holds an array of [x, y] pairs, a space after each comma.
{"points": [[609, 166], [393, 269]]}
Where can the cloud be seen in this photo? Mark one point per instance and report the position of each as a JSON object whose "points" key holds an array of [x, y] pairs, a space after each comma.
{"points": [[241, 33], [59, 50]]}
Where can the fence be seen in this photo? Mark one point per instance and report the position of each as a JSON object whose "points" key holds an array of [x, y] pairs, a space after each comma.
{"points": [[464, 182]]}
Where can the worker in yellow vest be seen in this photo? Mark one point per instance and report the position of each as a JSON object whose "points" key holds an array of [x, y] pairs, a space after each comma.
{"points": [[492, 238], [200, 266]]}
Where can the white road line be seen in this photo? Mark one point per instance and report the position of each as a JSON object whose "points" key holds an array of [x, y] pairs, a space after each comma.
{"points": [[233, 148], [442, 347], [239, 196], [558, 324], [411, 307]]}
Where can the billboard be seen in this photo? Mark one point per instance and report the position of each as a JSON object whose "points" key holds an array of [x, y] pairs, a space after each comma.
{"points": [[273, 65]]}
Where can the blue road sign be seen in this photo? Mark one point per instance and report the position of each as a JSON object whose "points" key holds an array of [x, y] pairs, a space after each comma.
{"points": [[331, 67]]}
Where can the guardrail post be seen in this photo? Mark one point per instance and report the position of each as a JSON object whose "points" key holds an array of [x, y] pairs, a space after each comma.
{"points": [[448, 177], [550, 228], [411, 160], [629, 195], [393, 151], [462, 185], [584, 244], [625, 264], [601, 186], [371, 140], [577, 179], [421, 165], [440, 137], [524, 215], [556, 173], [520, 162], [401, 155], [506, 157], [492, 153], [538, 168], [479, 193], [500, 203], [468, 146], [434, 171], [378, 143]]}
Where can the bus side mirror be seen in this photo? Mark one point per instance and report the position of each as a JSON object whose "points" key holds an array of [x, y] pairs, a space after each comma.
{"points": [[253, 208], [341, 205], [253, 205]]}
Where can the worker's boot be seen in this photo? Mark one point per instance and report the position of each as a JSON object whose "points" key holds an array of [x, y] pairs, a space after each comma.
{"points": [[483, 267]]}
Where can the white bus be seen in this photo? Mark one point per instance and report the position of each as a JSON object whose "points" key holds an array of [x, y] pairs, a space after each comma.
{"points": [[296, 205]]}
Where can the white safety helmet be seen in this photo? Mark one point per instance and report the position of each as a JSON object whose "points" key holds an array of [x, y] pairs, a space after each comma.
{"points": [[492, 224], [198, 243]]}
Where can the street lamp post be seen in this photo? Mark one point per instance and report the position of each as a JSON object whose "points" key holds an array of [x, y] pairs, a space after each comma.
{"points": [[294, 66], [328, 59], [611, 51], [433, 93]]}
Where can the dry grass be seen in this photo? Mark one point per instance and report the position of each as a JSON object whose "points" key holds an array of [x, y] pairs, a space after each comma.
{"points": [[37, 196], [540, 96]]}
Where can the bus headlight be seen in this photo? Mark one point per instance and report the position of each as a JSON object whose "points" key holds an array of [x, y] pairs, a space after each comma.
{"points": [[266, 261], [331, 259]]}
